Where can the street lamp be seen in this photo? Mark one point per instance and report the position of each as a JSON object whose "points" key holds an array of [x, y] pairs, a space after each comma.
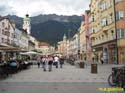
{"points": [[78, 37], [93, 59]]}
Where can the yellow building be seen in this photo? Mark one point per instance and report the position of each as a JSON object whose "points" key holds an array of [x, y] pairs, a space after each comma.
{"points": [[102, 27], [44, 47], [62, 46]]}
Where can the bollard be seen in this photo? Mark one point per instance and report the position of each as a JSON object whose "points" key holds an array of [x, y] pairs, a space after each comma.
{"points": [[81, 64], [94, 68]]}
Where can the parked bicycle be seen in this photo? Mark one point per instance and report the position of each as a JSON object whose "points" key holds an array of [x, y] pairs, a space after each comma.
{"points": [[117, 78]]}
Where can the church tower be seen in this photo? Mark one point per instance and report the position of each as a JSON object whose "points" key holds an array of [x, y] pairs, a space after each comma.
{"points": [[64, 37], [27, 24]]}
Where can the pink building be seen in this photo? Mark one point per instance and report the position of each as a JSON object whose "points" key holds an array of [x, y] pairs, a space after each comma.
{"points": [[87, 33]]}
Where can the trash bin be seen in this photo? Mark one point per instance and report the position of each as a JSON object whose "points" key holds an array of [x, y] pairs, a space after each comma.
{"points": [[94, 68], [81, 64]]}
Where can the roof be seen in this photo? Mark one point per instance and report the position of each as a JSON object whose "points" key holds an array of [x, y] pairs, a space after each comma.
{"points": [[43, 44]]}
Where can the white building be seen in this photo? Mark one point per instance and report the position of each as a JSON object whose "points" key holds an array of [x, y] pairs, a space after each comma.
{"points": [[24, 40], [7, 31], [17, 38], [31, 43]]}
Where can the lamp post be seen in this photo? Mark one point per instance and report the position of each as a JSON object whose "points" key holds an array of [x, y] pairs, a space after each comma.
{"points": [[93, 58], [78, 43]]}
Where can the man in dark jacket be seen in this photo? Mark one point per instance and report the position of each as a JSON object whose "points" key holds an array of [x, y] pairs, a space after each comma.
{"points": [[61, 62]]}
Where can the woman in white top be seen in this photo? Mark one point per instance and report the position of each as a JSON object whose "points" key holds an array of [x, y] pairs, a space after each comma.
{"points": [[56, 61]]}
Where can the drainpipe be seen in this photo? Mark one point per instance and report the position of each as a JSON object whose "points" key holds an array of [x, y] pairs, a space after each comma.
{"points": [[117, 57]]}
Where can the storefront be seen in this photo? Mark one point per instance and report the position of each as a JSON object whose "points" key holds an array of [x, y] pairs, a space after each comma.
{"points": [[106, 51]]}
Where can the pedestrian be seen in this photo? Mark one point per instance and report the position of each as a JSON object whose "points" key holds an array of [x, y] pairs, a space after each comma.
{"points": [[13, 65], [38, 62], [102, 60], [61, 61], [50, 62], [44, 61], [56, 61]]}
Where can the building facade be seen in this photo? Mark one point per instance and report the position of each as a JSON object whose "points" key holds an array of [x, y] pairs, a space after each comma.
{"points": [[7, 32], [106, 26], [17, 38], [62, 46], [31, 43], [83, 46], [120, 28], [44, 47], [24, 40]]}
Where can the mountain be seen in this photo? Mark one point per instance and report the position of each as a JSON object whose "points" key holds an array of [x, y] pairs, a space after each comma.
{"points": [[50, 28]]}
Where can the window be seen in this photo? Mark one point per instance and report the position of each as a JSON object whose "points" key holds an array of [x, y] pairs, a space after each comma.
{"points": [[3, 32], [102, 37], [103, 6], [119, 15], [121, 33], [110, 3], [92, 30], [2, 39], [104, 22], [116, 1], [91, 19], [110, 18], [3, 24]]}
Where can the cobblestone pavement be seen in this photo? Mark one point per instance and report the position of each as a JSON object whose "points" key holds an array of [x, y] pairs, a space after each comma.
{"points": [[66, 74], [69, 79]]}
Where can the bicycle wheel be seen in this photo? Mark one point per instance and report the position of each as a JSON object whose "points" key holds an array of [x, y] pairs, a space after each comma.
{"points": [[120, 80], [111, 80]]}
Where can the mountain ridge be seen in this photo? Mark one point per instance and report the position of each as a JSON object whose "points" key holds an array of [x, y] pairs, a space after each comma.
{"points": [[43, 25]]}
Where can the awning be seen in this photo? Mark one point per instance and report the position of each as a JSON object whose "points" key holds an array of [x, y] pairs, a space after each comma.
{"points": [[30, 53], [10, 48]]}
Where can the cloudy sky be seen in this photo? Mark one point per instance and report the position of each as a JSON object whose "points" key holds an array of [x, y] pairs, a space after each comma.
{"points": [[36, 7]]}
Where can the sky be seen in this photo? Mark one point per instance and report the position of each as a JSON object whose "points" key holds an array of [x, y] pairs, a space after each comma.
{"points": [[36, 7]]}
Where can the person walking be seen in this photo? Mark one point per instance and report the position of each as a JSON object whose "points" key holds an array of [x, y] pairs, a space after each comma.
{"points": [[61, 61], [38, 62], [50, 62], [56, 61], [44, 61], [102, 60]]}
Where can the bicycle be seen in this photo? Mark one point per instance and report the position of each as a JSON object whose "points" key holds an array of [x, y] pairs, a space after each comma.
{"points": [[117, 77]]}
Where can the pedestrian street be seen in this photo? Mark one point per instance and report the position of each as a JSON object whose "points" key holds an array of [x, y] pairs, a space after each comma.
{"points": [[69, 79]]}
